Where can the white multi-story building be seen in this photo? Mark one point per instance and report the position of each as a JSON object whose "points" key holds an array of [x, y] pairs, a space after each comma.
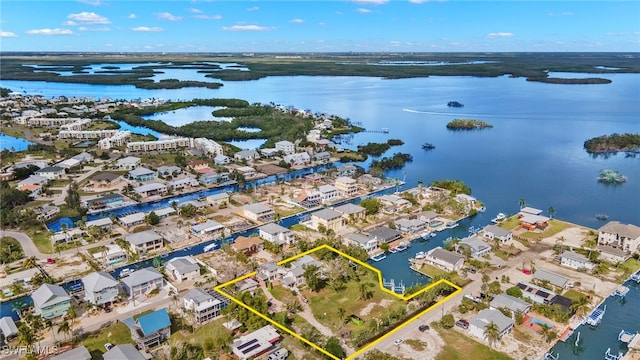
{"points": [[347, 186], [287, 147], [120, 138], [76, 125], [158, 145], [86, 134], [208, 146]]}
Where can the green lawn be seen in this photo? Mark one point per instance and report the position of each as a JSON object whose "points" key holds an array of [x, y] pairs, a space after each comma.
{"points": [[432, 271], [460, 347], [629, 267], [117, 333], [282, 294], [574, 295], [555, 227], [510, 223], [41, 238]]}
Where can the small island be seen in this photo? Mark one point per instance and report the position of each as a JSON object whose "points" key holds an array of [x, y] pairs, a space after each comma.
{"points": [[608, 176], [454, 104], [613, 143], [377, 149], [467, 124]]}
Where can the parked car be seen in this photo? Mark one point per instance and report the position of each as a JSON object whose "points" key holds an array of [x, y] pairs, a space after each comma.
{"points": [[108, 346], [462, 323], [398, 341], [423, 327], [471, 270], [51, 261]]}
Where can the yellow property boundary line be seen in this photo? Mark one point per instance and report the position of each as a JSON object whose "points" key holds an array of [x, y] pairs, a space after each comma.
{"points": [[366, 347]]}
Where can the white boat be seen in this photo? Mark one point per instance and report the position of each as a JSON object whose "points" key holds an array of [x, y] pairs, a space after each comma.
{"points": [[379, 257], [498, 218], [402, 246], [210, 247], [426, 235], [596, 316], [421, 255], [451, 225], [393, 250], [482, 209], [635, 277]]}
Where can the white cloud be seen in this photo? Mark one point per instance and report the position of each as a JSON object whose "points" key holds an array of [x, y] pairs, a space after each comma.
{"points": [[247, 28], [148, 47], [7, 34], [147, 29], [208, 17], [564, 13], [91, 2], [500, 34], [371, 2], [297, 21], [625, 33], [194, 11], [86, 17], [82, 28], [254, 8], [69, 23], [168, 16], [55, 31], [131, 16], [108, 45], [363, 11], [418, 1]]}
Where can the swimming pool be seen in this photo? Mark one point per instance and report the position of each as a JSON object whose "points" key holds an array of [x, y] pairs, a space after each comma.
{"points": [[541, 323]]}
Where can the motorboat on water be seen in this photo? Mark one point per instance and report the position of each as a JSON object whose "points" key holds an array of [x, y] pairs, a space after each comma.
{"points": [[500, 217], [402, 246], [451, 225], [421, 255], [379, 257]]}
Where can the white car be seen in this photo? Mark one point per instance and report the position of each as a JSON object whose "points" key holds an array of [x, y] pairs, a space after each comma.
{"points": [[398, 342], [108, 346]]}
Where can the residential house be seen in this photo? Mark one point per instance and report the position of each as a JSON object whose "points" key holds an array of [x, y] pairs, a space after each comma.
{"points": [[209, 229], [530, 210], [552, 278], [108, 201], [410, 226], [536, 293], [150, 330], [105, 224], [123, 352], [297, 159], [79, 353], [351, 212], [100, 288], [268, 152], [478, 323], [364, 241], [105, 180], [65, 237], [257, 343], [246, 171], [218, 199], [221, 160], [493, 232], [142, 281], [213, 178], [477, 247], [268, 271], [182, 268], [576, 261], [385, 235], [50, 301], [612, 254], [181, 184], [158, 145], [347, 186], [327, 218], [164, 212], [625, 237], [322, 156], [276, 234], [46, 212], [83, 157], [113, 255], [531, 219], [246, 155], [347, 169], [393, 203], [259, 212], [51, 172], [293, 275], [328, 193], [134, 219], [444, 259], [198, 165], [208, 146], [205, 306], [128, 163], [309, 199], [248, 245], [466, 200], [8, 328], [144, 241], [247, 284], [287, 147], [142, 174], [510, 302], [68, 163], [172, 171], [151, 189]]}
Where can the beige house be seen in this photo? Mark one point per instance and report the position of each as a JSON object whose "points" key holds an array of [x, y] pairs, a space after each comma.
{"points": [[329, 219], [625, 237], [347, 186]]}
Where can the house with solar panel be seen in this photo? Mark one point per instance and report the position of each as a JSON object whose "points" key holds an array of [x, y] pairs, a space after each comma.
{"points": [[257, 343], [151, 329]]}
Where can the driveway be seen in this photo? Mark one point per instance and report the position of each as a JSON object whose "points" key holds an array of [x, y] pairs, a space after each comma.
{"points": [[27, 244]]}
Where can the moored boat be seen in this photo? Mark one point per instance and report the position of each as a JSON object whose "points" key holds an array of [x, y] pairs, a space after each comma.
{"points": [[421, 255], [452, 224], [402, 246], [379, 257], [500, 217]]}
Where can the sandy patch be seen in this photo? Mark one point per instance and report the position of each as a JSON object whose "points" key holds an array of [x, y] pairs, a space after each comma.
{"points": [[367, 309]]}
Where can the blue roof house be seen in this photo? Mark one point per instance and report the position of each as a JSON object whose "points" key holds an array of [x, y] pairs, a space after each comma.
{"points": [[151, 329]]}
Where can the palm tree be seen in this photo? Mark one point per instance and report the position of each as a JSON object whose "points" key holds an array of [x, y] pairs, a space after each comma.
{"points": [[581, 306], [17, 307], [341, 313], [551, 211], [29, 262], [491, 333], [65, 329], [545, 330]]}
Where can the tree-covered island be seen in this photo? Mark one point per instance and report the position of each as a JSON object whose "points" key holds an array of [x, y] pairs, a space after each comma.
{"points": [[468, 124], [613, 143]]}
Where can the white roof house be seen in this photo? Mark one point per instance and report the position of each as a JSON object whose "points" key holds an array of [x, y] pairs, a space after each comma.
{"points": [[130, 162], [182, 268], [510, 302], [478, 323], [100, 287], [8, 327], [123, 352], [276, 234], [50, 301]]}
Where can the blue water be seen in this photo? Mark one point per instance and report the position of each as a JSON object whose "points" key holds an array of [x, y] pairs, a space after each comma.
{"points": [[187, 115], [542, 323], [138, 129], [12, 143]]}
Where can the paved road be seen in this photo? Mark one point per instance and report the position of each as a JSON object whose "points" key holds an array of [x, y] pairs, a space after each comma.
{"points": [[28, 246]]}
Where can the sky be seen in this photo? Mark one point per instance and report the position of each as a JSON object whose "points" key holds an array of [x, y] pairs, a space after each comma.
{"points": [[319, 26]]}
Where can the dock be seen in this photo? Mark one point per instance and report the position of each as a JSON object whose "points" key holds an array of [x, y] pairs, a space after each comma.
{"points": [[609, 356], [596, 316], [635, 277], [620, 291], [626, 336]]}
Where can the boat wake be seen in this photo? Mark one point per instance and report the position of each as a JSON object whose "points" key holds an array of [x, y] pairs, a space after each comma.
{"points": [[439, 113]]}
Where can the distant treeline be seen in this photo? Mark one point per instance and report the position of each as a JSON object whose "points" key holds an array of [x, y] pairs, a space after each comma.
{"points": [[612, 143], [397, 161], [377, 149]]}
